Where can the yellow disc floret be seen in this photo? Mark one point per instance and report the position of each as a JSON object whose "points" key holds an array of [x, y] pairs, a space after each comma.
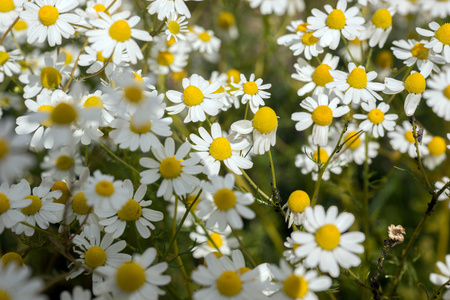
{"points": [[48, 15], [384, 59], [64, 162], [130, 276], [48, 109], [250, 88], [4, 203], [295, 286], [165, 58], [298, 201], [443, 34], [93, 102], [419, 50], [375, 116], [322, 115], [323, 156], [4, 148], [302, 27], [357, 78], [204, 36], [328, 237], [321, 75], [79, 204], [133, 94], [61, 186], [50, 78], [170, 168], [131, 211], [409, 136], [63, 114], [353, 141], [220, 148], [4, 56], [174, 27], [382, 18], [336, 19], [233, 76], [192, 95], [120, 31], [224, 199], [95, 257], [104, 188], [20, 25], [437, 146], [34, 207], [12, 257], [140, 128], [309, 39], [415, 83], [229, 284], [226, 20], [446, 92], [7, 6], [217, 239], [265, 120]]}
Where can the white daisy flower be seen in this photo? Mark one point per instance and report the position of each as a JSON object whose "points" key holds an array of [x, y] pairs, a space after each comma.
{"points": [[9, 12], [95, 61], [220, 239], [223, 278], [264, 126], [355, 146], [268, 7], [135, 210], [225, 206], [176, 27], [357, 84], [8, 62], [376, 120], [305, 43], [166, 8], [176, 171], [77, 294], [61, 163], [93, 7], [380, 26], [439, 279], [42, 211], [298, 283], [324, 244], [12, 199], [440, 38], [329, 26], [297, 202], [216, 147], [289, 254], [224, 90], [402, 139], [294, 27], [165, 59], [321, 115], [17, 283], [104, 193], [252, 91], [439, 185], [181, 207], [198, 97], [438, 95], [116, 33], [104, 102], [204, 41], [135, 279], [95, 251], [437, 8], [437, 155], [49, 19]]}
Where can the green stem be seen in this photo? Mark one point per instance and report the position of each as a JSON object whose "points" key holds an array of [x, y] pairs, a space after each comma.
{"points": [[348, 50], [273, 170], [419, 159], [243, 248]]}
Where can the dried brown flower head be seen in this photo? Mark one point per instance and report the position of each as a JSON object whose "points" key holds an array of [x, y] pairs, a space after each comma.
{"points": [[396, 233]]}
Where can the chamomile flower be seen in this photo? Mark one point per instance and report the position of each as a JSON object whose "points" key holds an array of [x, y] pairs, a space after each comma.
{"points": [[176, 27], [176, 171], [49, 19], [215, 148], [306, 43], [93, 7], [16, 283], [437, 8], [95, 61], [357, 84], [264, 126], [380, 26], [166, 8], [225, 206], [298, 283], [9, 12], [376, 121], [104, 102], [8, 62], [205, 246], [116, 34], [42, 211], [11, 201], [440, 38], [252, 91], [437, 155], [355, 149], [329, 26], [104, 193], [289, 254], [296, 204], [204, 41], [268, 7], [294, 27], [402, 139], [227, 22], [198, 97], [325, 243], [439, 279], [135, 210], [95, 251], [321, 114], [61, 163], [136, 279], [164, 59], [439, 185], [438, 94]]}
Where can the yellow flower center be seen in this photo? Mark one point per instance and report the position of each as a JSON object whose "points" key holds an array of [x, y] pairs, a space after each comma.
{"points": [[409, 136], [165, 58], [100, 57], [437, 146], [140, 128], [4, 295], [384, 59], [4, 203], [352, 139], [226, 20], [224, 199], [6, 6], [20, 25], [179, 76], [308, 39], [357, 78], [221, 89], [12, 257], [79, 204], [298, 201], [64, 162], [138, 77], [265, 120], [295, 286], [229, 284], [63, 114], [171, 41], [447, 92], [95, 257], [443, 34], [170, 168], [233, 76], [321, 75], [420, 49], [415, 83], [192, 96], [302, 27], [355, 42], [204, 36], [50, 78], [4, 148], [4, 56], [250, 88], [48, 15], [93, 102], [131, 211], [104, 188], [47, 109], [61, 186], [130, 276], [376, 116], [322, 115], [133, 94], [328, 237], [34, 207], [217, 239], [382, 18], [100, 8], [120, 31], [220, 148], [174, 27], [336, 19], [323, 156]]}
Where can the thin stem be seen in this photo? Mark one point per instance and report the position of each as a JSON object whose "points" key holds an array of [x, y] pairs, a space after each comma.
{"points": [[98, 72], [438, 291], [273, 170], [118, 158], [9, 29], [368, 58], [243, 248], [348, 50], [366, 192], [75, 66], [258, 190], [357, 279], [419, 159]]}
